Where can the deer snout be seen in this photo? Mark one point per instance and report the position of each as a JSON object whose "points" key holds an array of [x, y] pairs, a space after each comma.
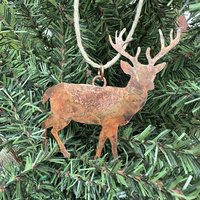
{"points": [[150, 85]]}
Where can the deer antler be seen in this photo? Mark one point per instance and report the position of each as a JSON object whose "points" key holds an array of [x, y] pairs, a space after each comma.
{"points": [[118, 46], [119, 42], [164, 50], [79, 42]]}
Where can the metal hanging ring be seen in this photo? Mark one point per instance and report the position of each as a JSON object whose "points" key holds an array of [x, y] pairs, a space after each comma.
{"points": [[99, 77]]}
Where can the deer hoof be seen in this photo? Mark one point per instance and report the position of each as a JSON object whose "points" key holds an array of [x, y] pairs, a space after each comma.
{"points": [[97, 156], [66, 154]]}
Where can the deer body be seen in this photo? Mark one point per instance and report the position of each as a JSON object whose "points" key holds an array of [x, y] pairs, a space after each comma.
{"points": [[93, 104]]}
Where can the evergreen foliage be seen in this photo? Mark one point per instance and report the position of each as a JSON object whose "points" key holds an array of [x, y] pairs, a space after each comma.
{"points": [[159, 149]]}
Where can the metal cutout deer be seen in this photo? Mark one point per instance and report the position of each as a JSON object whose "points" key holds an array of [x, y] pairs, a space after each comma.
{"points": [[110, 107]]}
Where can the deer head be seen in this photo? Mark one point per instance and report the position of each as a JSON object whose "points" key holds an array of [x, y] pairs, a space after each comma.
{"points": [[143, 75]]}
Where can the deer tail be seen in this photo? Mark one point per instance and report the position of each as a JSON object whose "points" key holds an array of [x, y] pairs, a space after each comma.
{"points": [[47, 94]]}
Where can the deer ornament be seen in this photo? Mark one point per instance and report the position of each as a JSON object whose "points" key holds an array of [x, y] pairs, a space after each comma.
{"points": [[110, 107]]}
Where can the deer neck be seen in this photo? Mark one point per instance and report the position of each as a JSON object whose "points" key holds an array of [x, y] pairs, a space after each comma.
{"points": [[134, 87]]}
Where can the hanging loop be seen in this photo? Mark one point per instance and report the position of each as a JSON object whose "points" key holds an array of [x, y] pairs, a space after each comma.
{"points": [[99, 77]]}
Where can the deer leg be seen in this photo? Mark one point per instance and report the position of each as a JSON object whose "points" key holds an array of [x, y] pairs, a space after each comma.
{"points": [[47, 123], [44, 142], [57, 124], [102, 139], [63, 150], [112, 135], [108, 131]]}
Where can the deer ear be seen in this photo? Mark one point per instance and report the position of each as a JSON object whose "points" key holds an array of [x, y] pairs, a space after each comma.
{"points": [[126, 67], [159, 67]]}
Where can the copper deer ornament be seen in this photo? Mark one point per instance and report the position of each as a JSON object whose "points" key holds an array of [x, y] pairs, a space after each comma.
{"points": [[110, 107]]}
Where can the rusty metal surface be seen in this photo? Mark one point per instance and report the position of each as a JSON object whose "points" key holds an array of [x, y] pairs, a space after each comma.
{"points": [[109, 107]]}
